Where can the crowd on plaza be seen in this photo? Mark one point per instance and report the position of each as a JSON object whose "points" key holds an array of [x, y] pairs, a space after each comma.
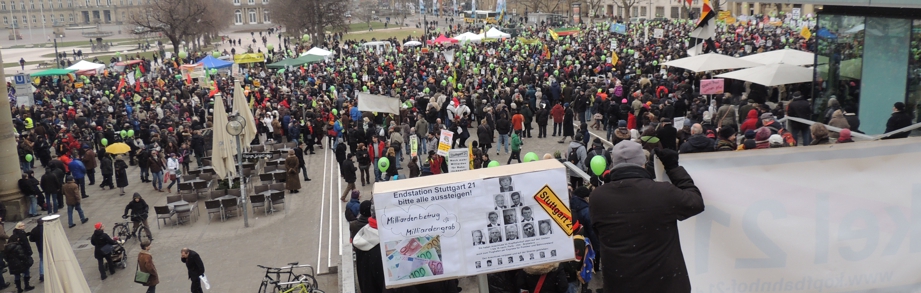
{"points": [[492, 94]]}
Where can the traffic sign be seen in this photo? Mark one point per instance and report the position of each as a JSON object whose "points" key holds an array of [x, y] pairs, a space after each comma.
{"points": [[23, 90], [21, 79]]}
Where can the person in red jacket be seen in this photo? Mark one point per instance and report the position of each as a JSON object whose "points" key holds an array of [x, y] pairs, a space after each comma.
{"points": [[376, 151], [751, 121], [557, 113]]}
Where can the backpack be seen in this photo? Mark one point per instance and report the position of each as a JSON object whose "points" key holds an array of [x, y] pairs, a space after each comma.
{"points": [[788, 138], [573, 155], [516, 143]]}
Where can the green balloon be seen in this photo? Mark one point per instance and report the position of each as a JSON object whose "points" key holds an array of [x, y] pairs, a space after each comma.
{"points": [[215, 54], [383, 164], [530, 157], [364, 88], [598, 165], [305, 38], [270, 47], [123, 133], [492, 164], [130, 132], [183, 54], [105, 142], [335, 112], [28, 157]]}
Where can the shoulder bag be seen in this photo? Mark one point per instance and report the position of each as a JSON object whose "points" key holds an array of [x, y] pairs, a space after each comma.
{"points": [[140, 277]]}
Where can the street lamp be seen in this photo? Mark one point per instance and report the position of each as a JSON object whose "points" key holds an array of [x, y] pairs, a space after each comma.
{"points": [[235, 125]]}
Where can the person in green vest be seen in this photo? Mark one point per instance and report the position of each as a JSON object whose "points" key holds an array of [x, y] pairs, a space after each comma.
{"points": [[516, 149]]}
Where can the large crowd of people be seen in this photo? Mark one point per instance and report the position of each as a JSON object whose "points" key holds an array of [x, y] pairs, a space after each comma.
{"points": [[492, 94]]}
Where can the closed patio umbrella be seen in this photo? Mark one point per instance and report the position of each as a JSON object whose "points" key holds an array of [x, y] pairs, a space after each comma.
{"points": [[62, 270]]}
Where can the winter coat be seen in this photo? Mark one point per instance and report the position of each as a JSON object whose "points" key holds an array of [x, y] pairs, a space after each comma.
{"points": [[554, 282], [99, 240], [72, 195], [194, 265], [484, 136], [77, 169], [640, 250], [557, 112], [145, 264], [414, 170], [50, 183], [542, 116], [139, 209], [579, 148], [18, 257], [89, 160], [348, 171], [853, 121], [567, 123], [668, 137], [105, 165], [751, 121], [726, 113], [799, 108], [697, 143], [292, 168], [897, 121], [121, 173], [368, 262]]}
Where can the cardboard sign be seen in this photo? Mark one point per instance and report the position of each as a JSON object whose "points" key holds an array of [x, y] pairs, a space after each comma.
{"points": [[553, 205], [658, 33], [711, 86], [458, 160], [414, 145], [444, 142]]}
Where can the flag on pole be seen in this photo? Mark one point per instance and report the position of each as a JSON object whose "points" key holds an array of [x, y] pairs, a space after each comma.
{"points": [[137, 72], [214, 91], [553, 34], [614, 58], [137, 86], [121, 84], [188, 78], [805, 32], [706, 13]]}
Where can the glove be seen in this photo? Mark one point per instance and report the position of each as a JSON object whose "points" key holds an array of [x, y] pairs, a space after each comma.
{"points": [[668, 157], [124, 216]]}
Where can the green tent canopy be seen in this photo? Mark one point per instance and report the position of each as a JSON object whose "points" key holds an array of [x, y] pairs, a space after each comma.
{"points": [[51, 72], [306, 59]]}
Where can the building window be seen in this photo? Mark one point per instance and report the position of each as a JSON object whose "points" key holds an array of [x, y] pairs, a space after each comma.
{"points": [[108, 2], [3, 7], [265, 1], [60, 3], [252, 2], [236, 2], [61, 18], [643, 11], [5, 19], [265, 17], [70, 3], [237, 17], [32, 4], [97, 3], [22, 5], [70, 17], [252, 16]]}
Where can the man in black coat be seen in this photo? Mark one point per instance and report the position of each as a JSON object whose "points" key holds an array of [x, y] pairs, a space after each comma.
{"points": [[299, 153], [640, 251], [899, 119], [195, 266], [667, 134], [52, 187], [347, 169], [799, 108], [103, 249]]}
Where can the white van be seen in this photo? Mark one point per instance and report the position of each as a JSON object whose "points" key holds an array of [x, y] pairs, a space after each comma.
{"points": [[380, 46]]}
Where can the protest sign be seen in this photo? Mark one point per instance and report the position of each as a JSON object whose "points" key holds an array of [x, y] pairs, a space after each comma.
{"points": [[444, 142], [249, 58], [836, 218], [475, 222], [458, 160], [619, 28], [414, 145], [711, 86], [658, 33]]}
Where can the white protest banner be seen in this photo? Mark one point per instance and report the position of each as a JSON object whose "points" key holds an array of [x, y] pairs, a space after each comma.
{"points": [[475, 222], [444, 142], [458, 160], [658, 33], [830, 218], [711, 86], [679, 122], [414, 145]]}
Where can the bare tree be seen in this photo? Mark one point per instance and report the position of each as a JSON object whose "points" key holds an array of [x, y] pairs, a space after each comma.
{"points": [[313, 17], [179, 20], [627, 5], [537, 5], [594, 7]]}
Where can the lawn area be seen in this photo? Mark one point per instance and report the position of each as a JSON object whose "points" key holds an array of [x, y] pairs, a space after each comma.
{"points": [[85, 42], [363, 26], [398, 34], [103, 58]]}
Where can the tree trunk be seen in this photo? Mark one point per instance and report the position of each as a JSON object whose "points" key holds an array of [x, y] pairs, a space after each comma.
{"points": [[627, 12], [175, 41]]}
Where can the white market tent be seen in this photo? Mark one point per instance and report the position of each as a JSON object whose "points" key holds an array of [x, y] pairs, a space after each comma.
{"points": [[494, 33], [785, 56], [86, 65], [412, 44], [469, 37], [710, 62], [318, 52], [772, 75]]}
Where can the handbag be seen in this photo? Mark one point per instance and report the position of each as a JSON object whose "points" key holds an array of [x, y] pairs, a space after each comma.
{"points": [[107, 249], [141, 277]]}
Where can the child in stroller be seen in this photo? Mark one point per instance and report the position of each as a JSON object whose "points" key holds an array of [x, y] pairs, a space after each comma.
{"points": [[119, 254]]}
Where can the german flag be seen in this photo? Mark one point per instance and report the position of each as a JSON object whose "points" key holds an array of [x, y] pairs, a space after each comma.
{"points": [[706, 13]]}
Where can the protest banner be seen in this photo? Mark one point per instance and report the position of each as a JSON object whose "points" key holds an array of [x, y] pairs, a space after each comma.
{"points": [[249, 58], [458, 160], [619, 28], [444, 142], [831, 218], [711, 86], [658, 33], [475, 222], [413, 145]]}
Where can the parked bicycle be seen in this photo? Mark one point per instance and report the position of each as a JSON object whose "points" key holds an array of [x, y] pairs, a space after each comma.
{"points": [[272, 281], [123, 231]]}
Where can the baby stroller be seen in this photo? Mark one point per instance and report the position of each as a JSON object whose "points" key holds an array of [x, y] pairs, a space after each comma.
{"points": [[119, 254]]}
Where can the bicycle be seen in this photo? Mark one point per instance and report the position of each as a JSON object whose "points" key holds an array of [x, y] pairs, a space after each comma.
{"points": [[301, 288], [121, 230], [276, 285]]}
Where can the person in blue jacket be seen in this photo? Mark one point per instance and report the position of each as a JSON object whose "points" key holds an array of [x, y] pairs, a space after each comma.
{"points": [[78, 170]]}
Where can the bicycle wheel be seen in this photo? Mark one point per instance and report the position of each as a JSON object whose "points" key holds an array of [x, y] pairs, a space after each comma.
{"points": [[143, 233], [307, 280], [121, 231]]}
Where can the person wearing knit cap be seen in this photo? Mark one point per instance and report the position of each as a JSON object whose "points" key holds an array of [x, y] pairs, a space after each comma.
{"points": [[761, 138], [637, 260], [819, 134], [844, 136], [353, 208], [899, 119], [368, 263], [139, 211], [364, 212], [103, 249], [727, 139]]}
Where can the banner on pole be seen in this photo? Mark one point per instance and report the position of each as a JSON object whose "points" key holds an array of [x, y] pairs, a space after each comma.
{"points": [[818, 221], [711, 86], [249, 58], [458, 160], [476, 222]]}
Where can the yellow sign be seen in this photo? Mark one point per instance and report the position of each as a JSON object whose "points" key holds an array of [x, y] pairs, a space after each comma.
{"points": [[805, 32], [730, 20], [554, 207], [528, 41], [723, 15], [444, 142], [249, 58], [78, 85]]}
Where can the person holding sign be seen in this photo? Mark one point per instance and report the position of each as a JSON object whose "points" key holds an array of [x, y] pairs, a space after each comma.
{"points": [[647, 259]]}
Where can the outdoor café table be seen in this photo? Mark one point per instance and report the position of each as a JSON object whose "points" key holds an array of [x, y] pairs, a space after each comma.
{"points": [[174, 207]]}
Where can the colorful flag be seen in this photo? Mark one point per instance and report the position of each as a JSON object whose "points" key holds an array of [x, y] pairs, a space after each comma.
{"points": [[214, 91], [565, 31], [553, 34], [121, 84], [614, 58], [706, 13], [137, 72], [188, 78], [805, 32]]}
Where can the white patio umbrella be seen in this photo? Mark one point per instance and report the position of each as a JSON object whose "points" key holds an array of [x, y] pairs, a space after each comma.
{"points": [[785, 56], [62, 270], [412, 44], [242, 108], [772, 75], [710, 62], [469, 37], [223, 146]]}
